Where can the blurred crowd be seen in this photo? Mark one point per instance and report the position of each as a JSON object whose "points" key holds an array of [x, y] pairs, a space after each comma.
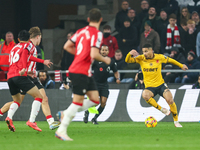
{"points": [[170, 27]]}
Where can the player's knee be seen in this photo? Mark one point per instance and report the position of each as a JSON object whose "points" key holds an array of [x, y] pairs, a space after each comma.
{"points": [[170, 101], [45, 99], [145, 96]]}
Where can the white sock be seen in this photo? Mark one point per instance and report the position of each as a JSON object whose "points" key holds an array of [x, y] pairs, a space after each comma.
{"points": [[13, 108], [69, 114], [50, 120], [86, 104], [34, 110]]}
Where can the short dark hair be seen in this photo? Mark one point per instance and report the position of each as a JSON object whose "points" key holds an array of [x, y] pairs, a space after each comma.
{"points": [[118, 51], [172, 16], [95, 15], [24, 35], [147, 45], [43, 71], [107, 27]]}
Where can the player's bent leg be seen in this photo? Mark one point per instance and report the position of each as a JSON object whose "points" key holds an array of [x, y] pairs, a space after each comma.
{"points": [[34, 92], [47, 112], [100, 109], [13, 108], [69, 114], [148, 97], [168, 96], [5, 108]]}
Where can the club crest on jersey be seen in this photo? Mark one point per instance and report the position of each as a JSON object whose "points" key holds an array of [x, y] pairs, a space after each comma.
{"points": [[108, 69], [151, 64], [100, 69], [84, 91]]}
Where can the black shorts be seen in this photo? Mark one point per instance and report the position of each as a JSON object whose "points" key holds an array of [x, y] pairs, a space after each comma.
{"points": [[35, 81], [16, 84], [158, 90], [103, 89], [82, 83]]}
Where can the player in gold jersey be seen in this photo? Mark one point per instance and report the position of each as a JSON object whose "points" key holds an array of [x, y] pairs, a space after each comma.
{"points": [[151, 65]]}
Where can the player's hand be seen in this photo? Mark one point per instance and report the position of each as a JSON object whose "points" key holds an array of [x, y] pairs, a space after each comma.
{"points": [[118, 81], [22, 72], [134, 53], [184, 67], [107, 60], [48, 63]]}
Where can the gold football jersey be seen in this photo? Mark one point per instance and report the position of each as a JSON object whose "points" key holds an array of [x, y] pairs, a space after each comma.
{"points": [[151, 68]]}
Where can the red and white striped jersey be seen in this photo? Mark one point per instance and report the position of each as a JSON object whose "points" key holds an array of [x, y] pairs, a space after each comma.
{"points": [[31, 64], [18, 58], [84, 39]]}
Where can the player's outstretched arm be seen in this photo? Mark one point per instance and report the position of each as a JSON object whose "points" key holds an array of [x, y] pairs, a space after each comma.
{"points": [[94, 53], [184, 67], [129, 58], [48, 63]]}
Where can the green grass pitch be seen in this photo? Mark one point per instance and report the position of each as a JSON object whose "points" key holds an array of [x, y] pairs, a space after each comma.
{"points": [[105, 136]]}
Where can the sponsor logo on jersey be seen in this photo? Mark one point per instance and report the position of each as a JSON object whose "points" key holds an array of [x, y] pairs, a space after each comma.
{"points": [[150, 69]]}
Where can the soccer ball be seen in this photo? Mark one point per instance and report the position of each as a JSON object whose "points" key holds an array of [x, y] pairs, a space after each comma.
{"points": [[151, 122]]}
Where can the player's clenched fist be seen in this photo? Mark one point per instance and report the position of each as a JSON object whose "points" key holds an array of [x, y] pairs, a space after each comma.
{"points": [[134, 53]]}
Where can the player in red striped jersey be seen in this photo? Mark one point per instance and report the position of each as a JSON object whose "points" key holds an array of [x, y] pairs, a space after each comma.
{"points": [[18, 80], [35, 38], [85, 45]]}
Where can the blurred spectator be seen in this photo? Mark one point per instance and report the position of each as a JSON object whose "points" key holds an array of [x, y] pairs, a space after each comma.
{"points": [[119, 20], [67, 59], [184, 26], [119, 59], [129, 77], [40, 54], [110, 41], [5, 49], [151, 17], [150, 36], [178, 56], [185, 15], [195, 18], [134, 20], [171, 7], [170, 36], [144, 12], [138, 82], [128, 37], [190, 37], [197, 84], [45, 79], [158, 4], [162, 22], [192, 63]]}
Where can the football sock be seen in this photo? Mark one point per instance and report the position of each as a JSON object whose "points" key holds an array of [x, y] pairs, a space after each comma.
{"points": [[1, 114], [13, 108], [174, 111], [87, 104], [100, 110], [50, 119], [153, 103], [69, 114], [35, 109]]}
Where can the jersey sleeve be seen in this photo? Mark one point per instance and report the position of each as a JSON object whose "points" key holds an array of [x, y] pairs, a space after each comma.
{"points": [[29, 46], [163, 58], [96, 40], [130, 59], [113, 65], [74, 37]]}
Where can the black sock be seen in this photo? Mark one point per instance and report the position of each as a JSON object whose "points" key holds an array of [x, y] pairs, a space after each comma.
{"points": [[100, 110]]}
